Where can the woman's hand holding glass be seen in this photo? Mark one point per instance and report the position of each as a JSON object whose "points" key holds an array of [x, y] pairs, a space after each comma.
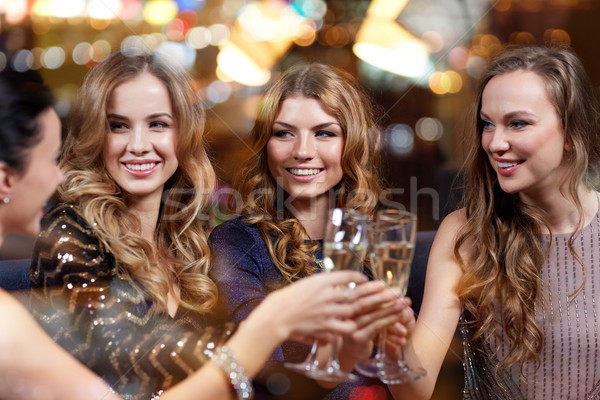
{"points": [[391, 251], [314, 307], [375, 310], [344, 247]]}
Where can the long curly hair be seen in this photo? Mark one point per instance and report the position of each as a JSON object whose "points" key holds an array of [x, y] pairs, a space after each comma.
{"points": [[181, 256], [501, 232], [340, 93]]}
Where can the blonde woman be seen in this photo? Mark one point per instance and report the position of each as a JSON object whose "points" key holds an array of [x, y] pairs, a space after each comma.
{"points": [[518, 266], [122, 263], [314, 146]]}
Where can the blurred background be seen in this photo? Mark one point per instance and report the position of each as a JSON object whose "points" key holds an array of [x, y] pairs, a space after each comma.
{"points": [[419, 60]]}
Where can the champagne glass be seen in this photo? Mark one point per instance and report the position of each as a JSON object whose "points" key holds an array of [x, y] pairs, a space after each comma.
{"points": [[344, 248], [391, 250]]}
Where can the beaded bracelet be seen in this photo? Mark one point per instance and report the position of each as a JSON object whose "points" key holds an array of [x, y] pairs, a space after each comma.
{"points": [[229, 363]]}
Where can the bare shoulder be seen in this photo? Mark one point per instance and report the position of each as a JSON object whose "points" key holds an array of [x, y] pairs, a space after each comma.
{"points": [[454, 221], [442, 258], [447, 232]]}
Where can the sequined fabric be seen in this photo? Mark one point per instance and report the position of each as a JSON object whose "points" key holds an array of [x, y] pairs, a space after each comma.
{"points": [[243, 270], [570, 358], [90, 307]]}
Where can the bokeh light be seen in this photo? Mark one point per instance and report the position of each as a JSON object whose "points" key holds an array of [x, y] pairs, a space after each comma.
{"points": [[131, 10], [133, 45], [429, 129], [53, 57], [14, 11], [178, 53], [434, 40], [233, 62], [230, 8], [176, 29], [445, 82], [22, 60], [400, 139], [81, 53], [100, 24], [40, 25], [557, 36], [100, 50], [159, 12], [219, 34], [67, 8], [37, 53], [152, 40], [475, 66], [191, 5], [524, 38], [41, 7], [218, 91], [305, 8], [458, 57], [198, 37], [306, 34], [104, 9]]}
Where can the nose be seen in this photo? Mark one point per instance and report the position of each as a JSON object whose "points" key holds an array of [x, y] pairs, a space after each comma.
{"points": [[499, 141], [304, 147], [139, 141]]}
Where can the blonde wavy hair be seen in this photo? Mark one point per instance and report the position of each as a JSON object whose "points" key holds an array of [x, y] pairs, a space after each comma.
{"points": [[501, 232], [180, 238], [340, 93]]}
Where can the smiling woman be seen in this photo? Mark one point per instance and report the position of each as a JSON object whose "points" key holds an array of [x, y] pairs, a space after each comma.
{"points": [[140, 146], [314, 147], [517, 268], [520, 136], [304, 154]]}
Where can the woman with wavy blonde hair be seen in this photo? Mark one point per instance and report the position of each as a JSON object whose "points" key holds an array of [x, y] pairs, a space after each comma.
{"points": [[122, 263], [314, 146], [180, 241], [520, 260]]}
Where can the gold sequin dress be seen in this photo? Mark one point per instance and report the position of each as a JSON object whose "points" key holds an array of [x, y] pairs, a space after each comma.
{"points": [[88, 304]]}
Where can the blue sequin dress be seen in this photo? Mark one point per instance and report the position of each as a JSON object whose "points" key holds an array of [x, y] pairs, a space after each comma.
{"points": [[244, 272]]}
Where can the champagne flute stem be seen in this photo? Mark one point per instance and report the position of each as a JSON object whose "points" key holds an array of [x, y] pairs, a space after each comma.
{"points": [[401, 360], [381, 353], [334, 360], [312, 356]]}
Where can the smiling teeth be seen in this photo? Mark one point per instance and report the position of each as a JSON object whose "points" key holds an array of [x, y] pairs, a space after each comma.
{"points": [[507, 164], [140, 167], [310, 171]]}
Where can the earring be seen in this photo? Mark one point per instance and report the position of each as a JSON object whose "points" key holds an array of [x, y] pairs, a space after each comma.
{"points": [[6, 200]]}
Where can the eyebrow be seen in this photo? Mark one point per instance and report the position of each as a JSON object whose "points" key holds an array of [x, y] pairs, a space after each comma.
{"points": [[316, 127], [151, 116], [510, 115]]}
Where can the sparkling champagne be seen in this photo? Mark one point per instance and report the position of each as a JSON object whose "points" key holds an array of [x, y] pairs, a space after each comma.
{"points": [[342, 256], [392, 263]]}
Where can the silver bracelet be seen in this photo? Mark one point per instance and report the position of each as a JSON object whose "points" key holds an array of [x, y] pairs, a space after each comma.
{"points": [[229, 363]]}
